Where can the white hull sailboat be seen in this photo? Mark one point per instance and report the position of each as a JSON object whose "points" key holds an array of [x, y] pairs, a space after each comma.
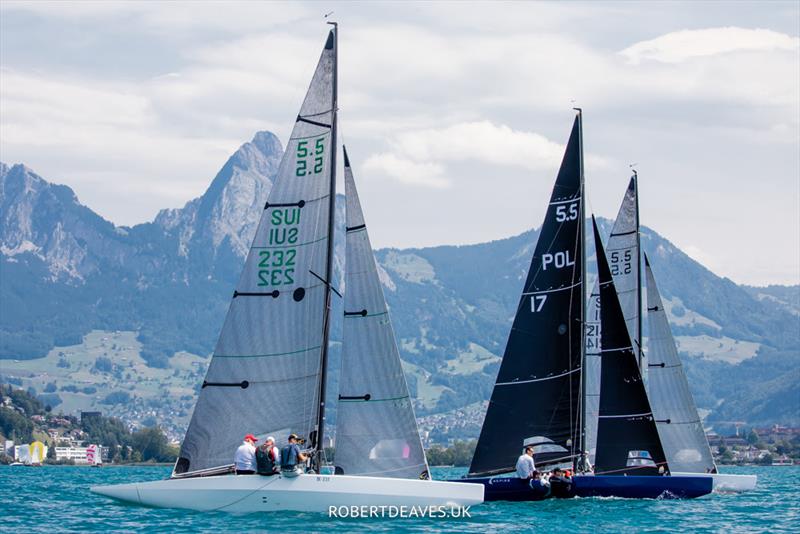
{"points": [[304, 493], [268, 373]]}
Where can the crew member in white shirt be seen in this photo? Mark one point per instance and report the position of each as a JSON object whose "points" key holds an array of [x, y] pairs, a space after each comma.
{"points": [[525, 465], [245, 458]]}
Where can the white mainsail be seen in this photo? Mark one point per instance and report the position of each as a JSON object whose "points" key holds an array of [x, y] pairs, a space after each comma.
{"points": [[679, 424], [264, 377], [376, 431]]}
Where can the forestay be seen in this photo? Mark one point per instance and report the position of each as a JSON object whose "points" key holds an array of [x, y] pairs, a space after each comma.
{"points": [[627, 438], [264, 376], [376, 431], [536, 398], [679, 424]]}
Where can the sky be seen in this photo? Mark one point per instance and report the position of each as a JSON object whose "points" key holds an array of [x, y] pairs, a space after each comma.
{"points": [[455, 115]]}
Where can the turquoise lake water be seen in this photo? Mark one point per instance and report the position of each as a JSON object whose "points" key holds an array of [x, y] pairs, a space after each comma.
{"points": [[57, 499]]}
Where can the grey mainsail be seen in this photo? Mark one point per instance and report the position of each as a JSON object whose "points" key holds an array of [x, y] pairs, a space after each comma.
{"points": [[376, 431], [266, 372], [678, 422], [623, 257]]}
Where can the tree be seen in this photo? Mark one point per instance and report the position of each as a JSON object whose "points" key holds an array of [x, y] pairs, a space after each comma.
{"points": [[752, 437], [152, 444]]}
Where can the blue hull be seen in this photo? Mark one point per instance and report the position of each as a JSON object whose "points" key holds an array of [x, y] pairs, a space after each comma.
{"points": [[508, 489], [626, 487], [641, 487]]}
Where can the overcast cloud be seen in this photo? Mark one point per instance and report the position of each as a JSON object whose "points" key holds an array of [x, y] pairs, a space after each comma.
{"points": [[455, 115]]}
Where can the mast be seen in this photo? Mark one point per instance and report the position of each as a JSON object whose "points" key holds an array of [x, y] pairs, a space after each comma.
{"points": [[329, 265], [582, 236], [638, 340]]}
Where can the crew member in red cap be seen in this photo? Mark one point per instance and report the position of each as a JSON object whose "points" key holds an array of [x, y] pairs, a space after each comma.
{"points": [[245, 458]]}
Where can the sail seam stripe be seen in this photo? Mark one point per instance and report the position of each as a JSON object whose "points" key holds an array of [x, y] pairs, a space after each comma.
{"points": [[537, 379], [623, 233], [300, 138], [616, 349], [663, 365], [621, 416], [577, 199], [265, 355], [550, 290], [323, 238]]}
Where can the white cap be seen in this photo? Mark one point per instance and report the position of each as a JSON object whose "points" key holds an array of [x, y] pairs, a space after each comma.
{"points": [[269, 438]]}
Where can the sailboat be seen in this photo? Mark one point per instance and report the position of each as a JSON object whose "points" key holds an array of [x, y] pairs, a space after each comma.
{"points": [[536, 400], [539, 398], [268, 373], [630, 460], [679, 424]]}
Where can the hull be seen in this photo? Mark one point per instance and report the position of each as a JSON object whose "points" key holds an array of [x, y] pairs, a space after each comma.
{"points": [[305, 493], [508, 489], [641, 487], [726, 483]]}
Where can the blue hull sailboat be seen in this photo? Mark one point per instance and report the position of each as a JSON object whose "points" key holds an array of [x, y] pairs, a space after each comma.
{"points": [[540, 395]]}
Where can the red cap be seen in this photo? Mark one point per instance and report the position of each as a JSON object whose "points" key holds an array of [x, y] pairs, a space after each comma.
{"points": [[251, 437]]}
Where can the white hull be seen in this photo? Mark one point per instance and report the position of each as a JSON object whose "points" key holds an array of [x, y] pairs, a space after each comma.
{"points": [[305, 493], [727, 483]]}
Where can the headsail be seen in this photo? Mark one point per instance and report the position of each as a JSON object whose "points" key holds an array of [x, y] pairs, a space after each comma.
{"points": [[536, 398], [623, 248], [265, 375], [679, 424], [627, 438], [376, 432]]}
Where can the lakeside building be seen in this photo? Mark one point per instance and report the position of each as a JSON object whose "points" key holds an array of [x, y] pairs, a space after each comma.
{"points": [[79, 455]]}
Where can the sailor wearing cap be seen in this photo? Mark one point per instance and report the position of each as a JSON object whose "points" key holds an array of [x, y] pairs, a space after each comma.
{"points": [[291, 457], [245, 458]]}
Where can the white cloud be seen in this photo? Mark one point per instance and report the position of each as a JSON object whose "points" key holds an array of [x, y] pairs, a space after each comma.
{"points": [[407, 171], [482, 141], [675, 47]]}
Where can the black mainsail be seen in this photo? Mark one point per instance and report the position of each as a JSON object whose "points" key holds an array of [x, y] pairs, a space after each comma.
{"points": [[623, 255], [627, 437], [536, 398], [267, 373]]}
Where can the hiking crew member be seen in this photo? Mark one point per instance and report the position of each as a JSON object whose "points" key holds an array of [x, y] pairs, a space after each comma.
{"points": [[245, 458], [291, 457], [267, 457], [525, 465]]}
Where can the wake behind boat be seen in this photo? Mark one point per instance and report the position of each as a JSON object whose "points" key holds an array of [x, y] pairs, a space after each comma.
{"points": [[268, 374]]}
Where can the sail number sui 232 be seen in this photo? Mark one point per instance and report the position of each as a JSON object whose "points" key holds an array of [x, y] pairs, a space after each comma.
{"points": [[276, 266]]}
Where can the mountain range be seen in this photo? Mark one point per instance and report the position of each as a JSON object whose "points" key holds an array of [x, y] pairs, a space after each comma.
{"points": [[65, 271]]}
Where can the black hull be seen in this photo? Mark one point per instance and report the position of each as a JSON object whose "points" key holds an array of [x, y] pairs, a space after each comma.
{"points": [[509, 489]]}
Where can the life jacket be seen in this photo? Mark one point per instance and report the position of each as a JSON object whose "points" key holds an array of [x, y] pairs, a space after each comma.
{"points": [[289, 457], [265, 464]]}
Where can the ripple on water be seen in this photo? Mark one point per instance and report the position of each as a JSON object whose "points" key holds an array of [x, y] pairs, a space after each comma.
{"points": [[57, 499]]}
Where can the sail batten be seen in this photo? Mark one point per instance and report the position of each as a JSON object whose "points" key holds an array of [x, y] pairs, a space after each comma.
{"points": [[627, 438], [537, 390], [376, 431], [679, 424], [275, 345]]}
